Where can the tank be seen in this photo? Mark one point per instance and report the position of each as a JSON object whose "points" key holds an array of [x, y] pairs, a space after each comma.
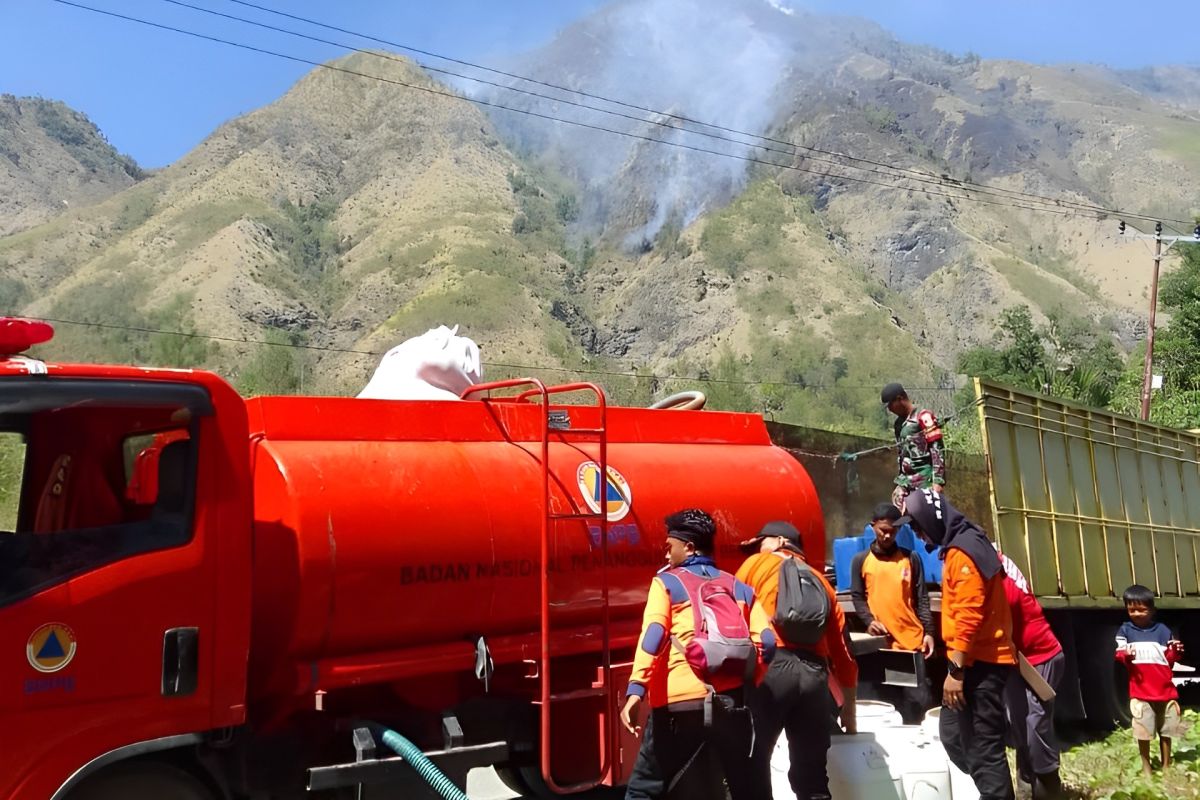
{"points": [[390, 534]]}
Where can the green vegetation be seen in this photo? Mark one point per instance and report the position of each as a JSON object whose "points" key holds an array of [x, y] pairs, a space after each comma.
{"points": [[137, 205], [766, 304], [13, 294], [1030, 283], [81, 138], [12, 466], [545, 205], [488, 301], [882, 119], [1176, 351], [276, 367], [1110, 769], [1067, 358], [310, 269], [1180, 139], [749, 232], [1071, 359], [203, 220], [120, 300]]}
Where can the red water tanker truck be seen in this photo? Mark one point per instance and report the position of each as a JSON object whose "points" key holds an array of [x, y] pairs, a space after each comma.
{"points": [[203, 596]]}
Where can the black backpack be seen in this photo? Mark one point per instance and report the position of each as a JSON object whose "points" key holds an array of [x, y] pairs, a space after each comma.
{"points": [[802, 608]]}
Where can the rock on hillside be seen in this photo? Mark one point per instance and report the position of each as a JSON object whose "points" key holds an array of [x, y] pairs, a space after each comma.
{"points": [[53, 158]]}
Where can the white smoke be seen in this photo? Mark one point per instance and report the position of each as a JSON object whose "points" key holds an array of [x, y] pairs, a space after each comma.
{"points": [[715, 62]]}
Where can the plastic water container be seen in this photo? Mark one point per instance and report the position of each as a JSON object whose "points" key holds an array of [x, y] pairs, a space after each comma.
{"points": [[873, 715], [886, 760], [860, 768], [962, 786]]}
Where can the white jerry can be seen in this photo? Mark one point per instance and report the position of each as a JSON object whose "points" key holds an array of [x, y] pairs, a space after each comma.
{"points": [[961, 784], [884, 761]]}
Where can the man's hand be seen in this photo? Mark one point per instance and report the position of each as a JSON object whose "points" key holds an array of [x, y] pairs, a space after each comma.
{"points": [[952, 694], [1176, 645], [849, 712], [927, 646], [629, 715], [876, 628], [939, 488]]}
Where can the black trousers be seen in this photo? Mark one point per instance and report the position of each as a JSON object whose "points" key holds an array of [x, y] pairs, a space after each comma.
{"points": [[974, 736], [794, 699], [675, 759]]}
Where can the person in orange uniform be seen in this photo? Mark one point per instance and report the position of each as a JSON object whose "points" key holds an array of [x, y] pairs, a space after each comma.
{"points": [[887, 585], [977, 629], [794, 696], [677, 732]]}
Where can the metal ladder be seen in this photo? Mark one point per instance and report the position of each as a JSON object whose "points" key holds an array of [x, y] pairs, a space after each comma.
{"points": [[602, 687]]}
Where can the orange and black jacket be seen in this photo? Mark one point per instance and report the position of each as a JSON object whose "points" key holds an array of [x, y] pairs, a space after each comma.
{"points": [[976, 619], [761, 573], [660, 672]]}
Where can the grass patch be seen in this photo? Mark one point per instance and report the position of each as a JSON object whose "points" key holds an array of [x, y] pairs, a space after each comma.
{"points": [[748, 233], [136, 205], [1180, 140], [119, 299], [202, 221], [766, 304], [490, 302], [1029, 283], [12, 467], [1110, 769], [13, 294]]}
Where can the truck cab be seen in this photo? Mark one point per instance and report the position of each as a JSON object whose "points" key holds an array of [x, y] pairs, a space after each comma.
{"points": [[124, 566]]}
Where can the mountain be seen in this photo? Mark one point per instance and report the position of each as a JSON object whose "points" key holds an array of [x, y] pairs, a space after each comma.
{"points": [[51, 159], [351, 214], [945, 267]]}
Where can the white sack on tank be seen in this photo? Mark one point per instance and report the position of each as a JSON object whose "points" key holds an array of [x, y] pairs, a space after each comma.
{"points": [[437, 365]]}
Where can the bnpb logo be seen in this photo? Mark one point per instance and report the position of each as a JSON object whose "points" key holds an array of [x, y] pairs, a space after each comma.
{"points": [[611, 496], [51, 647]]}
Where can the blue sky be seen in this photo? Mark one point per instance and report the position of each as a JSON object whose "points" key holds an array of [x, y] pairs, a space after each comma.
{"points": [[157, 94]]}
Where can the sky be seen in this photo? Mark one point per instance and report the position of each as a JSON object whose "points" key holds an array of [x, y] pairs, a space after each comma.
{"points": [[156, 94]]}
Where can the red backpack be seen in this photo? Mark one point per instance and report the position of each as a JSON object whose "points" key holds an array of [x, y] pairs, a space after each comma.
{"points": [[721, 647]]}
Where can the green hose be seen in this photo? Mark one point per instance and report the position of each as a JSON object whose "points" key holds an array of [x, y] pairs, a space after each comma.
{"points": [[426, 768]]}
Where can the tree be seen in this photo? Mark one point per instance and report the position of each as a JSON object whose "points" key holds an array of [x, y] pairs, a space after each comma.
{"points": [[1177, 346], [1066, 359]]}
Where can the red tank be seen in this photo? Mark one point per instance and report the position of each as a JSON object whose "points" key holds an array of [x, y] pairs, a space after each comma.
{"points": [[389, 533]]}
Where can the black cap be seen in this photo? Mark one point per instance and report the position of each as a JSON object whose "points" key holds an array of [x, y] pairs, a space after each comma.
{"points": [[692, 525], [786, 530], [892, 392]]}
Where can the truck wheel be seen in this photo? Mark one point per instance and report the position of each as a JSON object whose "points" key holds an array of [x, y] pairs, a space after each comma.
{"points": [[160, 781]]}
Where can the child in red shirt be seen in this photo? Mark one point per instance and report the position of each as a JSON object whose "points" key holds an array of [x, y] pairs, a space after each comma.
{"points": [[1148, 650]]}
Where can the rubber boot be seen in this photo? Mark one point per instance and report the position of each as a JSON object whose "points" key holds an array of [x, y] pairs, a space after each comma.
{"points": [[1047, 786]]}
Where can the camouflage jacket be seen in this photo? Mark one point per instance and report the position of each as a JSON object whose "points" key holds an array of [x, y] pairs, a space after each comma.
{"points": [[920, 454]]}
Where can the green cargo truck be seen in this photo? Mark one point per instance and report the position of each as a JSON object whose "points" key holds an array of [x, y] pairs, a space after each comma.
{"points": [[1087, 502]]}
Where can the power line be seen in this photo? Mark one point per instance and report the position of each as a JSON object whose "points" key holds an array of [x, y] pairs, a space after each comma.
{"points": [[887, 171], [941, 180], [499, 364], [601, 128]]}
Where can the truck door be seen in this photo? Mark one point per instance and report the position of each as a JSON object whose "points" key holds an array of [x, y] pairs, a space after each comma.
{"points": [[109, 573]]}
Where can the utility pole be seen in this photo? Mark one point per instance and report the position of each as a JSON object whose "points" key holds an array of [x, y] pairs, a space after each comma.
{"points": [[1148, 367]]}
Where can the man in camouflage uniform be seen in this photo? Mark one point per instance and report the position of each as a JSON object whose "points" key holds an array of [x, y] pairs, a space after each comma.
{"points": [[920, 455]]}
